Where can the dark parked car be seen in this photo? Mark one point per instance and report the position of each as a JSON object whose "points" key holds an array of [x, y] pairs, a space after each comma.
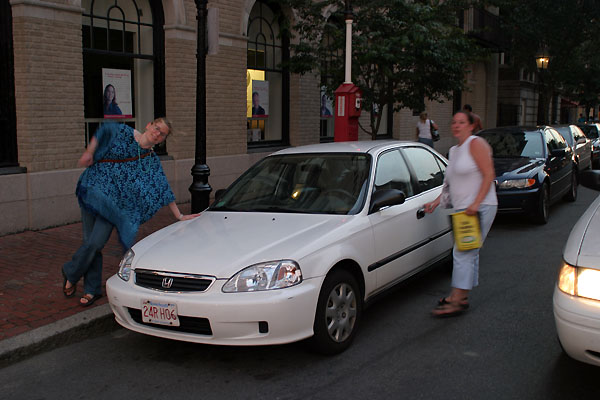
{"points": [[579, 143], [592, 131], [534, 168]]}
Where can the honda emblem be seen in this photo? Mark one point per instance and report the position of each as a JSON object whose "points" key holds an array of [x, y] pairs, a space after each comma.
{"points": [[167, 282]]}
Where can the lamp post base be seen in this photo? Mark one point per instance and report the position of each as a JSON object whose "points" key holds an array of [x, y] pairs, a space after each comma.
{"points": [[200, 188]]}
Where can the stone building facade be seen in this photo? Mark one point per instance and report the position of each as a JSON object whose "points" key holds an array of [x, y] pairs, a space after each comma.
{"points": [[61, 49]]}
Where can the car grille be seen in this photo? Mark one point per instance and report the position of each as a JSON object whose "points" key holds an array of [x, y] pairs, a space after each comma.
{"points": [[172, 281], [198, 326]]}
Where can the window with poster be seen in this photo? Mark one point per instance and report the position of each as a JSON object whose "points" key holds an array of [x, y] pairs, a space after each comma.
{"points": [[267, 83], [123, 63]]}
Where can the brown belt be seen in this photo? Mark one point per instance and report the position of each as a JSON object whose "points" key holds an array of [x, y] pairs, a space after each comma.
{"points": [[127, 159]]}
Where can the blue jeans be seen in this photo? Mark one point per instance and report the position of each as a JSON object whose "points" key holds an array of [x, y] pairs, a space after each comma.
{"points": [[465, 269], [87, 260], [428, 142]]}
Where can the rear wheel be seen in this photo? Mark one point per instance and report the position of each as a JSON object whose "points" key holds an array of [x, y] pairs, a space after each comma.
{"points": [[338, 313], [543, 206]]}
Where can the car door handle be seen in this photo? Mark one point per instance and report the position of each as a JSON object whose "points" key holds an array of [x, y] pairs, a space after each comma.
{"points": [[420, 213]]}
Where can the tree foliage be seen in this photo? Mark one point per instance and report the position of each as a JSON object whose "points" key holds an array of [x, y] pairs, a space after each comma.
{"points": [[568, 32], [402, 51]]}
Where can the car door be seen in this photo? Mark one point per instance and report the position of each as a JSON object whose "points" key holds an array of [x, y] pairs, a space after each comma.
{"points": [[583, 147], [559, 163], [405, 237]]}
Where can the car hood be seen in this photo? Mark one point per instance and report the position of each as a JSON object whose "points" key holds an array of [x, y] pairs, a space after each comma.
{"points": [[516, 166], [582, 247], [222, 243]]}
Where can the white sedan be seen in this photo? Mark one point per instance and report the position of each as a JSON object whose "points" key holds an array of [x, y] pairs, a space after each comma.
{"points": [[577, 293], [291, 250]]}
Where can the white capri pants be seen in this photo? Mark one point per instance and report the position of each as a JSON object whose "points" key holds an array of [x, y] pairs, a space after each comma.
{"points": [[465, 271]]}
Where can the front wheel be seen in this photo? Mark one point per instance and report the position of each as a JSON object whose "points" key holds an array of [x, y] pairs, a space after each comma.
{"points": [[543, 206], [338, 313]]}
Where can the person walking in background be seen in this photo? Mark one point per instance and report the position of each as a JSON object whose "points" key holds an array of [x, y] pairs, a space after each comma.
{"points": [[581, 118], [424, 129], [123, 186], [469, 182], [477, 126]]}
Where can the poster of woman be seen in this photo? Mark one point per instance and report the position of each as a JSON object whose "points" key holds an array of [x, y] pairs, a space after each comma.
{"points": [[116, 100], [326, 104], [260, 99]]}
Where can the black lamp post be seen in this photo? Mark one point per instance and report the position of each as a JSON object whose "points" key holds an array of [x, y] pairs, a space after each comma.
{"points": [[541, 61], [200, 188]]}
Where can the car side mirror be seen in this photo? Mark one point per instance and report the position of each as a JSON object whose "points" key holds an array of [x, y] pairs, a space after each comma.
{"points": [[386, 198], [590, 179]]}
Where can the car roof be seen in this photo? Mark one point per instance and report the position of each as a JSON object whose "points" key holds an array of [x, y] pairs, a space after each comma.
{"points": [[366, 146]]}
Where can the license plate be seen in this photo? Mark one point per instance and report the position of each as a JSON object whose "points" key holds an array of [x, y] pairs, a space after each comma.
{"points": [[155, 312]]}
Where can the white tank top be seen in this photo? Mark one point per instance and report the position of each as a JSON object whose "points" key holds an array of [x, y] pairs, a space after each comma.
{"points": [[464, 178]]}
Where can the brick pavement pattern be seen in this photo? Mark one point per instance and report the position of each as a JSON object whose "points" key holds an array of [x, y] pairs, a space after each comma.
{"points": [[30, 277]]}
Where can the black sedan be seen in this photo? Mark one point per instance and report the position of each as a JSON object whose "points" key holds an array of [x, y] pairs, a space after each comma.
{"points": [[592, 131], [534, 168], [579, 143]]}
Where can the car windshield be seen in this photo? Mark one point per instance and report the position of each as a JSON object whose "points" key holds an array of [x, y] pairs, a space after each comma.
{"points": [[316, 183], [566, 133], [508, 144], [591, 131]]}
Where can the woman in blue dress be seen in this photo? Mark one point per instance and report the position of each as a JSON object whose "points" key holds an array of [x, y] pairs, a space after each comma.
{"points": [[123, 186]]}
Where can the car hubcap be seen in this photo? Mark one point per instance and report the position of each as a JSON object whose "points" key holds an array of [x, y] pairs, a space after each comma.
{"points": [[341, 312]]}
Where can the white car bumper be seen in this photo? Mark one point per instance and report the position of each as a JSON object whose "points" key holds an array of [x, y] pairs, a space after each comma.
{"points": [[578, 326], [223, 318]]}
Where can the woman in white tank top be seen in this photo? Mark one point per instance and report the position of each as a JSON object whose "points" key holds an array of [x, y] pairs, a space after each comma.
{"points": [[469, 180]]}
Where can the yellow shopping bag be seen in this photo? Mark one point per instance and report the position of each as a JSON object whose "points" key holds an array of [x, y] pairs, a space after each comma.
{"points": [[466, 229]]}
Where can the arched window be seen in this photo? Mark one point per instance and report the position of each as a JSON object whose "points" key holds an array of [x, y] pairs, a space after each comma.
{"points": [[123, 62], [267, 82]]}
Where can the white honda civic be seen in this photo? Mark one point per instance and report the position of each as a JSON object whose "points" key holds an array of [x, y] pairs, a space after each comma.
{"points": [[291, 250], [577, 292]]}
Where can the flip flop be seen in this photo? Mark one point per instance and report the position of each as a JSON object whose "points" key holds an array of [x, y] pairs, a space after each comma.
{"points": [[448, 310], [91, 298], [464, 302], [70, 292]]}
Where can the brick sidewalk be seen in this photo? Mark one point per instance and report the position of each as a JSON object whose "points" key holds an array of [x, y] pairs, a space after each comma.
{"points": [[30, 277]]}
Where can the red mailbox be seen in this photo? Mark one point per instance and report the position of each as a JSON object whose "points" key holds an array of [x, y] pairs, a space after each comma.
{"points": [[347, 110]]}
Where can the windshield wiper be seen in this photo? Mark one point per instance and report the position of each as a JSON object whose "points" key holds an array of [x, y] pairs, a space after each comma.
{"points": [[222, 208], [271, 209]]}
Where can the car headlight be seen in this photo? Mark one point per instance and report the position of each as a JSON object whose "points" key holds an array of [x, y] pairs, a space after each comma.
{"points": [[517, 184], [582, 282], [265, 276], [125, 265]]}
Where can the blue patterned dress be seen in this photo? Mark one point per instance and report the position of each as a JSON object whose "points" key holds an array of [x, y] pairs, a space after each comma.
{"points": [[127, 194]]}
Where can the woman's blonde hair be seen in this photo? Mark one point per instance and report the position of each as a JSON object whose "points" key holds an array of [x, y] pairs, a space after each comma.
{"points": [[165, 121]]}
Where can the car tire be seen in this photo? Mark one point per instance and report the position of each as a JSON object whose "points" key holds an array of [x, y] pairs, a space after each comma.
{"points": [[572, 194], [543, 207], [338, 313]]}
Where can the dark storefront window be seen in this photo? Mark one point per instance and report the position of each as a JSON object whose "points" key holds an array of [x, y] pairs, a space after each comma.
{"points": [[123, 63]]}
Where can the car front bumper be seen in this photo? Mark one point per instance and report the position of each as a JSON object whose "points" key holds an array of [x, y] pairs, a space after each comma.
{"points": [[578, 326], [518, 201], [231, 318]]}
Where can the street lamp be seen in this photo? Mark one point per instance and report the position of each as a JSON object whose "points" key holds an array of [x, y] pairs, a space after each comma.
{"points": [[200, 188], [542, 59]]}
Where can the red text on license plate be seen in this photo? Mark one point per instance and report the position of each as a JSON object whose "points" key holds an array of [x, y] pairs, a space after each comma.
{"points": [[155, 312]]}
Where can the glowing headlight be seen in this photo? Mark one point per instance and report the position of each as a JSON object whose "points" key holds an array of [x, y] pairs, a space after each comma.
{"points": [[265, 276], [125, 265], [583, 282], [516, 184]]}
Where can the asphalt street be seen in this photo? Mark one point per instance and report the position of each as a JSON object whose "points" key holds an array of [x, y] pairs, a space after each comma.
{"points": [[504, 347]]}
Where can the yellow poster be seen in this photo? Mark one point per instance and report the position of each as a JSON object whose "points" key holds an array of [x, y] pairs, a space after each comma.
{"points": [[466, 229]]}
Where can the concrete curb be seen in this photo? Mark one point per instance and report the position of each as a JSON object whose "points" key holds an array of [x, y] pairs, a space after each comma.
{"points": [[85, 324]]}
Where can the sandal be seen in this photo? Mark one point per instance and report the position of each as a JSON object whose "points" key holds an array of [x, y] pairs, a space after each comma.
{"points": [[68, 292], [89, 299], [448, 310], [464, 303]]}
